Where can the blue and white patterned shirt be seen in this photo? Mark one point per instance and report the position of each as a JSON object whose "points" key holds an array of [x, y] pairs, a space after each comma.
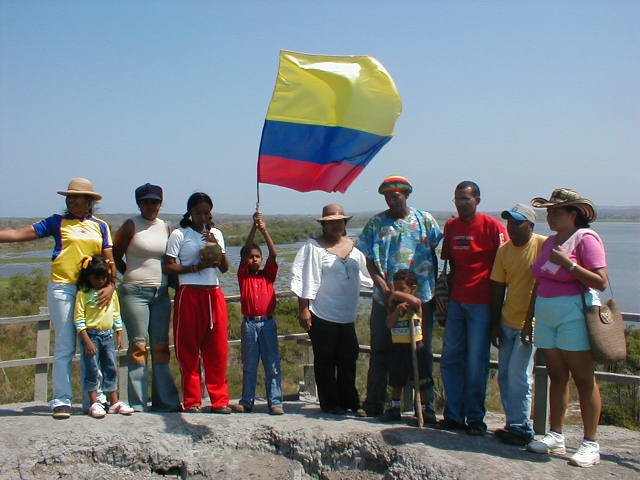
{"points": [[407, 242]]}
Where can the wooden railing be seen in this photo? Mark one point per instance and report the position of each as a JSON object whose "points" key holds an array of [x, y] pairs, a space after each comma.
{"points": [[43, 361]]}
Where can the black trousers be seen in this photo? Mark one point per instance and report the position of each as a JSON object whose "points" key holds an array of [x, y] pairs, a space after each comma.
{"points": [[335, 352]]}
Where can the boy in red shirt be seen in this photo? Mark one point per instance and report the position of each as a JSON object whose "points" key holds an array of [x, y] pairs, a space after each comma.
{"points": [[259, 335]]}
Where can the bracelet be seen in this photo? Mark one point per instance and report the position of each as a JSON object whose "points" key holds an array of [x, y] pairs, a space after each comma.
{"points": [[573, 266]]}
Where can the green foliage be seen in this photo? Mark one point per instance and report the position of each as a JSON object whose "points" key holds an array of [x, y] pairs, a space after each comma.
{"points": [[621, 403], [283, 231], [23, 295]]}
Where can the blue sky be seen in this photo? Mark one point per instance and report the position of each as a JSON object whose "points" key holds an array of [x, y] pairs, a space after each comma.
{"points": [[521, 97]]}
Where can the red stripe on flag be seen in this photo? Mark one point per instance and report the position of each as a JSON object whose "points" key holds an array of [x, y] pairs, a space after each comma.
{"points": [[306, 176]]}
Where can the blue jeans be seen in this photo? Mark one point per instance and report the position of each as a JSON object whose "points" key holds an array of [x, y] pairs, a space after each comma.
{"points": [[260, 341], [61, 298], [381, 357], [465, 361], [515, 377], [103, 361], [146, 313]]}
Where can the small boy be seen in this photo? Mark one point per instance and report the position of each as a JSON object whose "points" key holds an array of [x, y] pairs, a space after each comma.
{"points": [[404, 311], [259, 335]]}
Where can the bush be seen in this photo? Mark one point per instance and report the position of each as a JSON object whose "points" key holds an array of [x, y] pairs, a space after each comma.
{"points": [[24, 294], [621, 403]]}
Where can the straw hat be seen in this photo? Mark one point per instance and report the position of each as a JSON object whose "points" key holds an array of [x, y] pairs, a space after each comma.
{"points": [[80, 186], [333, 211], [565, 197]]}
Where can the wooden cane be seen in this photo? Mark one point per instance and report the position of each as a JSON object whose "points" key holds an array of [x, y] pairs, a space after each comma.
{"points": [[417, 405]]}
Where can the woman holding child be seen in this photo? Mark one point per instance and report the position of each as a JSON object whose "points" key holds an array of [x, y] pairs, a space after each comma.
{"points": [[139, 249], [77, 233], [196, 253], [569, 270], [327, 275]]}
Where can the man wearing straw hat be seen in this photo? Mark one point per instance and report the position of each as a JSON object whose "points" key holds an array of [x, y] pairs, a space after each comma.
{"points": [[398, 238]]}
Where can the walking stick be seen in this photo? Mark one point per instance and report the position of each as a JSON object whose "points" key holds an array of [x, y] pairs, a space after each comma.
{"points": [[416, 377]]}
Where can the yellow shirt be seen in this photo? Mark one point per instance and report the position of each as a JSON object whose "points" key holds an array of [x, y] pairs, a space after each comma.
{"points": [[512, 266], [74, 238], [88, 314], [400, 333]]}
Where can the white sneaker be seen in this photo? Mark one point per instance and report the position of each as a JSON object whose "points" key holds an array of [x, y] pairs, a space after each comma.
{"points": [[588, 455], [97, 410], [121, 408], [552, 442]]}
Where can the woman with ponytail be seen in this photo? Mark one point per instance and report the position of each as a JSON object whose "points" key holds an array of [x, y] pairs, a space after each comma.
{"points": [[200, 320]]}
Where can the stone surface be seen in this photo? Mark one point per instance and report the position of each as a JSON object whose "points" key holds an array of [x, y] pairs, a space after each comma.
{"points": [[302, 444]]}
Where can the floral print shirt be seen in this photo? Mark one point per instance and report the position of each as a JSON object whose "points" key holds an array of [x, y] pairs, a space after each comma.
{"points": [[403, 243]]}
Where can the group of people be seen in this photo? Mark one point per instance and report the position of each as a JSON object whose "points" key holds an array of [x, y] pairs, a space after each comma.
{"points": [[508, 286], [500, 279]]}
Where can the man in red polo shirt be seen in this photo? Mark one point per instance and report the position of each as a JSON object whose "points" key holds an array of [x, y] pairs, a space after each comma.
{"points": [[471, 241]]}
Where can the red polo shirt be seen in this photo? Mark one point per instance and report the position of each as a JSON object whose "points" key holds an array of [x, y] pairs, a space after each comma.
{"points": [[257, 294], [472, 247]]}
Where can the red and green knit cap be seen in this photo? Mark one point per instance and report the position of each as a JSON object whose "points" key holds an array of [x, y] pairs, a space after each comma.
{"points": [[393, 183]]}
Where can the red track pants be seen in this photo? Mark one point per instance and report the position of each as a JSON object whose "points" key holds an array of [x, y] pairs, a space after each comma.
{"points": [[200, 328]]}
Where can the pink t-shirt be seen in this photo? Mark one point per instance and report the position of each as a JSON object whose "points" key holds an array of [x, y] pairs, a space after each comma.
{"points": [[559, 282]]}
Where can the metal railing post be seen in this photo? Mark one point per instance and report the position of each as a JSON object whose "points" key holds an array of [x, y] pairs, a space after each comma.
{"points": [[540, 395], [43, 340], [308, 385]]}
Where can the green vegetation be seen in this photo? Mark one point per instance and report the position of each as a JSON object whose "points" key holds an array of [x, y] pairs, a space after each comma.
{"points": [[24, 260], [621, 403]]}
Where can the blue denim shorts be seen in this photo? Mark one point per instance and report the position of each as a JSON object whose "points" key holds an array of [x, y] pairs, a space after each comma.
{"points": [[560, 324]]}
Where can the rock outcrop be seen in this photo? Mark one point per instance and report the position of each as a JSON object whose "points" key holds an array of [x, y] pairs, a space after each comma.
{"points": [[303, 444]]}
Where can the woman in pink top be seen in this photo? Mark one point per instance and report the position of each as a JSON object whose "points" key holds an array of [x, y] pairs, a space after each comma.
{"points": [[571, 265]]}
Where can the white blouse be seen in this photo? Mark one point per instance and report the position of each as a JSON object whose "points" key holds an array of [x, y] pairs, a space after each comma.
{"points": [[332, 284], [184, 244]]}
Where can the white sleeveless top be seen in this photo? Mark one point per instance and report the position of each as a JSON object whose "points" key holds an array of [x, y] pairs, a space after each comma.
{"points": [[145, 253]]}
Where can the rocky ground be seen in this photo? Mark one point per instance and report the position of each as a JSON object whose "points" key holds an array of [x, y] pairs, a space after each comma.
{"points": [[303, 444]]}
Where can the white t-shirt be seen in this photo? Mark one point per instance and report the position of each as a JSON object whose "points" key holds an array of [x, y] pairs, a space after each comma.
{"points": [[332, 284], [184, 245]]}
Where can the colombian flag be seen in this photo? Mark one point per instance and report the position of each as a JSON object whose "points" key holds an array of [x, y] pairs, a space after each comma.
{"points": [[327, 119]]}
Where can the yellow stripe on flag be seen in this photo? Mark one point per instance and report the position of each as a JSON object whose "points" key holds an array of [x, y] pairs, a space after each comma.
{"points": [[354, 92]]}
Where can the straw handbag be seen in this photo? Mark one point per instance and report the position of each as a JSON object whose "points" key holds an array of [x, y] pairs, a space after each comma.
{"points": [[606, 328], [606, 331]]}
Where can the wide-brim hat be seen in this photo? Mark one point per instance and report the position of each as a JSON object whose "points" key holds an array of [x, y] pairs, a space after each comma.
{"points": [[565, 197], [333, 211], [80, 186]]}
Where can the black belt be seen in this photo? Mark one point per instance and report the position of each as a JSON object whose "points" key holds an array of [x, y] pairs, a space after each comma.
{"points": [[261, 318]]}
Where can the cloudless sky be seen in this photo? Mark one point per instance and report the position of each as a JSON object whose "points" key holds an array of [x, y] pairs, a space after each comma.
{"points": [[521, 97]]}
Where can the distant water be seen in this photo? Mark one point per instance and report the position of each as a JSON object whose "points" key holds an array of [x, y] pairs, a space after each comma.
{"points": [[621, 241]]}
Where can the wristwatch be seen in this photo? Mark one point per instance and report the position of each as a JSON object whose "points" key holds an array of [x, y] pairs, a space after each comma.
{"points": [[573, 266]]}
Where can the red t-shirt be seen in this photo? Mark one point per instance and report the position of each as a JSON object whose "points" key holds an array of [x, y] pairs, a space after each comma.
{"points": [[257, 295], [471, 247]]}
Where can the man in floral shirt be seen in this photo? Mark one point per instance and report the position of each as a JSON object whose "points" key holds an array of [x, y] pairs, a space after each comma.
{"points": [[400, 237]]}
